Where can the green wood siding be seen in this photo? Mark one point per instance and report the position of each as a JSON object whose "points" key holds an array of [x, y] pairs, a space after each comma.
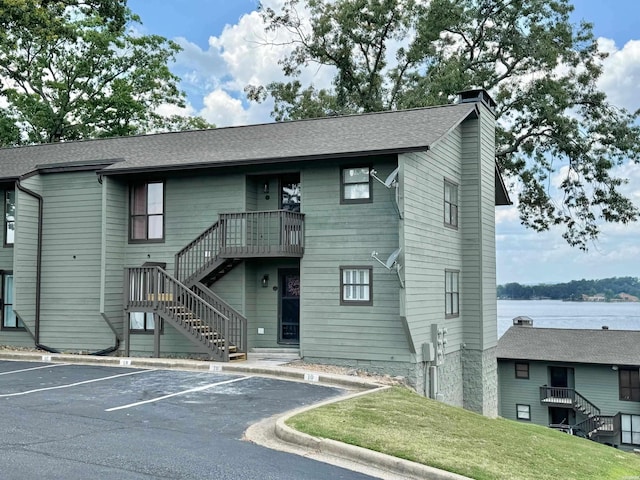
{"points": [[429, 246], [262, 303], [192, 204], [25, 251], [6, 253], [477, 223], [514, 391], [71, 263], [114, 231], [339, 235]]}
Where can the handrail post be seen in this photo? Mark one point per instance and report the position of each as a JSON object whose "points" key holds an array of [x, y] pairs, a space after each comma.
{"points": [[153, 290]]}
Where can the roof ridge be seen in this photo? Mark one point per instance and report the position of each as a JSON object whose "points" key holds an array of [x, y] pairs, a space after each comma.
{"points": [[230, 127]]}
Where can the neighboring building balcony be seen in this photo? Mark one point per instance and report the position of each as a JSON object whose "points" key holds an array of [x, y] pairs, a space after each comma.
{"points": [[237, 236], [567, 398]]}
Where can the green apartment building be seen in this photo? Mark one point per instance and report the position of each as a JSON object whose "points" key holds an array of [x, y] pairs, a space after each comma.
{"points": [[364, 240]]}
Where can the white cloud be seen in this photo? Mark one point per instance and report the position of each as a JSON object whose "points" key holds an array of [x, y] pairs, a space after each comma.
{"points": [[621, 73], [222, 109], [243, 54]]}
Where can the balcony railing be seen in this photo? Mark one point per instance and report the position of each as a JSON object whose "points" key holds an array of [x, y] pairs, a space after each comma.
{"points": [[569, 398], [276, 233], [269, 233]]}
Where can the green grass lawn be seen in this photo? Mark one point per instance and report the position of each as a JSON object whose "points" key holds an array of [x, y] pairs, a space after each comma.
{"points": [[400, 423]]}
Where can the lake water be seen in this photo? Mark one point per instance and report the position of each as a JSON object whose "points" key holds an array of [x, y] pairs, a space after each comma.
{"points": [[559, 314]]}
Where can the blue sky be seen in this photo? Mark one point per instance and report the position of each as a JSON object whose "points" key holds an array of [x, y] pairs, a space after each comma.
{"points": [[223, 51]]}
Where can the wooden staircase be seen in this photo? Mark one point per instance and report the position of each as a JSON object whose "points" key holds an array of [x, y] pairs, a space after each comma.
{"points": [[185, 301], [205, 333], [594, 424], [221, 336]]}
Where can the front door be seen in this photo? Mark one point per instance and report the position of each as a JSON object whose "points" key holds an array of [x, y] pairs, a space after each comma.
{"points": [[289, 288], [290, 192], [561, 377]]}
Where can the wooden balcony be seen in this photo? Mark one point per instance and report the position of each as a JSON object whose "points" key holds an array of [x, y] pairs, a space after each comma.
{"points": [[277, 233], [236, 236]]}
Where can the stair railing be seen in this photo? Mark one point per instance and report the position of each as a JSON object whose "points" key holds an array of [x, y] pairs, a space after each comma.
{"points": [[237, 322], [585, 406], [198, 254], [608, 425], [154, 288]]}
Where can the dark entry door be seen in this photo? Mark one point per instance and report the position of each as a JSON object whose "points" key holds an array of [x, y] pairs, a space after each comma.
{"points": [[289, 288], [560, 377], [290, 192]]}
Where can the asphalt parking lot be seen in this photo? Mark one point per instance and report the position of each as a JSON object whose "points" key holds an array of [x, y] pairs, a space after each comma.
{"points": [[62, 421]]}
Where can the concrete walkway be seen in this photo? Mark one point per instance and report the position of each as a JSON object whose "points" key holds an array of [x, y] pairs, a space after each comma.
{"points": [[273, 432]]}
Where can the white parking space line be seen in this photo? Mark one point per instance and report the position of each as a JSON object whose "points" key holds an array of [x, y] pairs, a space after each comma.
{"points": [[68, 385], [196, 389], [35, 368]]}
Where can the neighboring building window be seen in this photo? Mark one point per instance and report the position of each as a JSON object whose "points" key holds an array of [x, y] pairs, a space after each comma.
{"points": [[629, 384], [355, 184], [450, 204], [9, 318], [451, 293], [523, 412], [630, 429], [147, 211], [141, 322], [522, 370], [355, 286], [9, 216]]}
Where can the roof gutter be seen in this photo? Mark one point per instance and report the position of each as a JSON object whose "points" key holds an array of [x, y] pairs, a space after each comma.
{"points": [[38, 197]]}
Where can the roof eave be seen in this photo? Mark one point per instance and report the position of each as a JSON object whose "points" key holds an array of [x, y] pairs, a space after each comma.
{"points": [[111, 171]]}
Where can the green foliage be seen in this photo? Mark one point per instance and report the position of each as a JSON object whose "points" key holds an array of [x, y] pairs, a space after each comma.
{"points": [[540, 68], [76, 69], [573, 290]]}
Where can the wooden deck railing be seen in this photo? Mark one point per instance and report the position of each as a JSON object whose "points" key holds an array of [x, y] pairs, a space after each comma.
{"points": [[198, 254], [568, 397], [604, 425], [237, 322], [255, 234], [153, 289], [275, 233]]}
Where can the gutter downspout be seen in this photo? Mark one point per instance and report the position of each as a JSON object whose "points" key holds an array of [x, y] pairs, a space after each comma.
{"points": [[38, 197], [38, 265]]}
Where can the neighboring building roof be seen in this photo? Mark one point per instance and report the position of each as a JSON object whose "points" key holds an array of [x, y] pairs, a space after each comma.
{"points": [[612, 347], [342, 136]]}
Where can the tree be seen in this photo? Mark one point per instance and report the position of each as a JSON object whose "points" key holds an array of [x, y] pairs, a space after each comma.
{"points": [[541, 70], [75, 69]]}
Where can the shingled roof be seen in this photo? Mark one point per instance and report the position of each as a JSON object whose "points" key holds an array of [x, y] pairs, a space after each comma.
{"points": [[343, 136], [611, 347]]}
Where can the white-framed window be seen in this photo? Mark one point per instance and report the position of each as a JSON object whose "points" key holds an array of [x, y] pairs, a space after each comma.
{"points": [[356, 285], [9, 317], [355, 185], [523, 412], [450, 204], [141, 322], [451, 293], [9, 217], [630, 429], [146, 210]]}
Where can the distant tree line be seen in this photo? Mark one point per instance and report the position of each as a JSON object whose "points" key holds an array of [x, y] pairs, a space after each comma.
{"points": [[573, 290]]}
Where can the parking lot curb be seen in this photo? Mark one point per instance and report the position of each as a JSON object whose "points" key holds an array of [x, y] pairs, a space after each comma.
{"points": [[297, 374], [370, 458]]}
